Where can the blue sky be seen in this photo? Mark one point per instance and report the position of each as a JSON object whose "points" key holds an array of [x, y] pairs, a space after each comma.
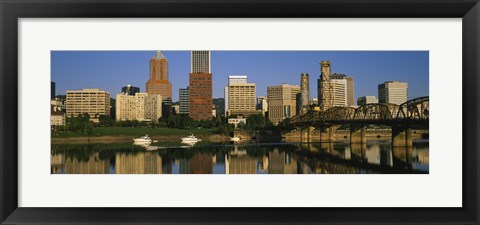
{"points": [[111, 70]]}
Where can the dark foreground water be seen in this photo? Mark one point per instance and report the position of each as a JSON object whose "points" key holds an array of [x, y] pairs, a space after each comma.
{"points": [[270, 158]]}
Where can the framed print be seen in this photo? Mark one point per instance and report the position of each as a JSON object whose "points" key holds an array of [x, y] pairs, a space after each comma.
{"points": [[239, 112]]}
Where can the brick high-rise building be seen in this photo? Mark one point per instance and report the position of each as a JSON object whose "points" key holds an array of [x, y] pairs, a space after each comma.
{"points": [[200, 96], [200, 86], [158, 84]]}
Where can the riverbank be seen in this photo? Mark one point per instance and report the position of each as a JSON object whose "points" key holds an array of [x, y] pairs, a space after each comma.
{"points": [[126, 134], [215, 138]]}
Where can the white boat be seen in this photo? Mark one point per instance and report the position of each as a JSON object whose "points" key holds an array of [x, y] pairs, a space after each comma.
{"points": [[144, 139], [234, 139], [190, 138]]}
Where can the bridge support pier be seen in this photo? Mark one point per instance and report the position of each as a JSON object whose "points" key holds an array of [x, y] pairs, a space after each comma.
{"points": [[358, 142], [305, 133], [358, 135], [401, 136], [326, 134]]}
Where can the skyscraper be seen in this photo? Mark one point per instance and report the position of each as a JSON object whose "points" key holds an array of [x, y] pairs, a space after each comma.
{"points": [[366, 100], [184, 98], [350, 86], [282, 101], [158, 84], [52, 90], [130, 90], [325, 98], [200, 62], [338, 92], [240, 96], [305, 92], [395, 92], [200, 86], [141, 107]]}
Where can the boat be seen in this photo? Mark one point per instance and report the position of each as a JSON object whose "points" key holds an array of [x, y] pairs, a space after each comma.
{"points": [[144, 139], [151, 148], [190, 138], [234, 139]]}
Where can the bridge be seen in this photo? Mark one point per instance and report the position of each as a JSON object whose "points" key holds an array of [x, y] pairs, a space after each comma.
{"points": [[413, 114]]}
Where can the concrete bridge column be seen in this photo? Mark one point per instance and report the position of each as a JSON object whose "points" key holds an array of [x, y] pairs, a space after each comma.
{"points": [[305, 133], [358, 135], [327, 134], [401, 136]]}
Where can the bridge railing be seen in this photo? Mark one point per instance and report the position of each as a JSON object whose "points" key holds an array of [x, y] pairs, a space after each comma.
{"points": [[415, 109]]}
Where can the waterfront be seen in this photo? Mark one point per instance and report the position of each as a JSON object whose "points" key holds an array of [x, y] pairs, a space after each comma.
{"points": [[374, 157]]}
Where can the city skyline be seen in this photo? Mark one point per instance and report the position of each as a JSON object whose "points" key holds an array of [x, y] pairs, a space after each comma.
{"points": [[112, 70]]}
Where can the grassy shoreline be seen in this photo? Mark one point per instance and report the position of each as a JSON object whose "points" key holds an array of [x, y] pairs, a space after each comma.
{"points": [[126, 134]]}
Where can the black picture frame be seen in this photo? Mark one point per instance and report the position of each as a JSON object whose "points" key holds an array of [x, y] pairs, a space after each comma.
{"points": [[12, 10]]}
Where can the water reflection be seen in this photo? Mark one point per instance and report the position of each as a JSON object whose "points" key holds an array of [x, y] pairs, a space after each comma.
{"points": [[278, 158]]}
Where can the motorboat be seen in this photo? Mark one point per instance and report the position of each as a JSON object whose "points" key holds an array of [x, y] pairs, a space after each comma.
{"points": [[189, 143], [234, 139], [190, 138], [144, 139]]}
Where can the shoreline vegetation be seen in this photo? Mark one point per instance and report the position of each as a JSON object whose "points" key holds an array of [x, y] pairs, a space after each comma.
{"points": [[126, 134]]}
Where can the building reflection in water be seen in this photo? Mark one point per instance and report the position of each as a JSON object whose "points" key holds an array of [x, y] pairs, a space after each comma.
{"points": [[57, 163], [201, 163], [93, 165], [333, 158], [281, 162], [138, 163]]}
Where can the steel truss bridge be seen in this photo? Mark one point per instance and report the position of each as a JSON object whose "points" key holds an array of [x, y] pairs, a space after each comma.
{"points": [[413, 113]]}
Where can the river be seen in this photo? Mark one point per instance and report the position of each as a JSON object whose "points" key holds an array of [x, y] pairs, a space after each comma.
{"points": [[374, 157]]}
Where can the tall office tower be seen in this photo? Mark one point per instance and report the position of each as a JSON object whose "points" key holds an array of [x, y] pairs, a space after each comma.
{"points": [[184, 97], [200, 86], [225, 98], [395, 92], [325, 98], [350, 87], [282, 101], [141, 107], [240, 96], [305, 92], [262, 104], [52, 90], [200, 62], [366, 100], [158, 83], [338, 92], [93, 102], [232, 80], [130, 90]]}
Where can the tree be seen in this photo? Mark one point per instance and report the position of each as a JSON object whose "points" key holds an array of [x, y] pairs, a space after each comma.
{"points": [[257, 122], [106, 121]]}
